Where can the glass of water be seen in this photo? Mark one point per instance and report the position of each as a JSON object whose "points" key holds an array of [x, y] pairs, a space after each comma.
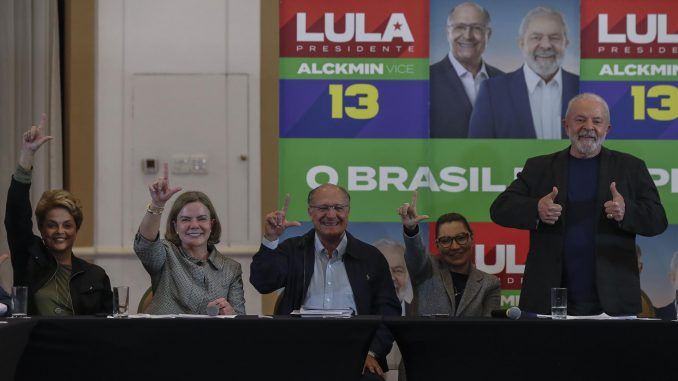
{"points": [[558, 303], [19, 301], [120, 300]]}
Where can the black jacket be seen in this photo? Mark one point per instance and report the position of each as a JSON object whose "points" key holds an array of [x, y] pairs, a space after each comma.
{"points": [[617, 280], [366, 268], [33, 265]]}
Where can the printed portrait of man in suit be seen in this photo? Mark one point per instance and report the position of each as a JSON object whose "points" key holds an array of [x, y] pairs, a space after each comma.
{"points": [[456, 78]]}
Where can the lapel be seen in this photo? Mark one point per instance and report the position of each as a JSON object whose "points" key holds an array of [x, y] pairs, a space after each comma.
{"points": [[358, 276], [453, 78], [605, 177], [472, 289], [308, 263], [560, 181], [446, 277], [521, 104]]}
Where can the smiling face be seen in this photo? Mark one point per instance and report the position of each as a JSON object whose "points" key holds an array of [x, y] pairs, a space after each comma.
{"points": [[586, 124], [456, 255], [59, 231], [543, 44], [330, 223], [467, 34], [194, 225]]}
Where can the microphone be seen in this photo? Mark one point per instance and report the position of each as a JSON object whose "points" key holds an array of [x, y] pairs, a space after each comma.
{"points": [[513, 313]]}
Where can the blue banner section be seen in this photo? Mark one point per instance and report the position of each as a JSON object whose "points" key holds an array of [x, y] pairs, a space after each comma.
{"points": [[353, 109], [639, 110]]}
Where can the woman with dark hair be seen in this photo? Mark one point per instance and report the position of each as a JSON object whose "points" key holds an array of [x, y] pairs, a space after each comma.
{"points": [[188, 274], [59, 283], [448, 283]]}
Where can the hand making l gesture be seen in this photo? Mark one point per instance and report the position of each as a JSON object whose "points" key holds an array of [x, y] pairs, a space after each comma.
{"points": [[276, 222]]}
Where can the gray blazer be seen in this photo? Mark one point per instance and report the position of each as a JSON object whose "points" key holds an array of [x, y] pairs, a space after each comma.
{"points": [[433, 288]]}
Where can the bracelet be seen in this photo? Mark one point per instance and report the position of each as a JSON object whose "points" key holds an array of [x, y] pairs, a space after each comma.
{"points": [[152, 209]]}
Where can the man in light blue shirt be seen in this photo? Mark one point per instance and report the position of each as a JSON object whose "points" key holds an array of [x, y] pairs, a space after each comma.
{"points": [[327, 268]]}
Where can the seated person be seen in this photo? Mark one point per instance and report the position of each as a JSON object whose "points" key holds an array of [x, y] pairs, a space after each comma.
{"points": [[59, 283], [187, 272], [447, 283], [5, 299], [328, 244], [5, 302]]}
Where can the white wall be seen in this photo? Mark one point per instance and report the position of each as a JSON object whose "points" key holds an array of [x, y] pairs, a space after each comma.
{"points": [[176, 77]]}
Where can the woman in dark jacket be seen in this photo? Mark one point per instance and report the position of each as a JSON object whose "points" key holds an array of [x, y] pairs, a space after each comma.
{"points": [[59, 283]]}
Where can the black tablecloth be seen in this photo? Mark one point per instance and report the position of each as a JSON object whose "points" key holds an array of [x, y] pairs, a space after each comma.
{"points": [[460, 349], [281, 348]]}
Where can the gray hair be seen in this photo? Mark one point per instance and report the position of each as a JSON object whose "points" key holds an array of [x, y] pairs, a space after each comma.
{"points": [[591, 97], [484, 11], [539, 12], [389, 244]]}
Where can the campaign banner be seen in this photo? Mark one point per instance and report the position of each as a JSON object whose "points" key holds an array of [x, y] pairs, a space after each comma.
{"points": [[448, 174], [354, 28], [353, 109], [630, 58]]}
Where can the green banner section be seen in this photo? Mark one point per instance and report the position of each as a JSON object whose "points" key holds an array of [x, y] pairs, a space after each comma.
{"points": [[628, 69], [354, 68], [463, 175]]}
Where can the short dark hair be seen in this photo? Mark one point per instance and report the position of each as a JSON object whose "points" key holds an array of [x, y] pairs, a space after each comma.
{"points": [[310, 194], [181, 201], [452, 217]]}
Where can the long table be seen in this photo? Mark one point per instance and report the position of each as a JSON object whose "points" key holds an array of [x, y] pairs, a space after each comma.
{"points": [[536, 349], [244, 348], [287, 348]]}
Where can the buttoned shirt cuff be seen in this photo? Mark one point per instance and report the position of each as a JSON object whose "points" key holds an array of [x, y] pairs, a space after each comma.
{"points": [[23, 175], [270, 244]]}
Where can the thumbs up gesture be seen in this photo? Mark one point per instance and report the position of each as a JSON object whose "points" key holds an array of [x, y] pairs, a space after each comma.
{"points": [[549, 211], [614, 209]]}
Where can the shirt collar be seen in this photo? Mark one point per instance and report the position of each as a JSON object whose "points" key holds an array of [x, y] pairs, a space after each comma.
{"points": [[461, 70], [341, 249], [533, 79]]}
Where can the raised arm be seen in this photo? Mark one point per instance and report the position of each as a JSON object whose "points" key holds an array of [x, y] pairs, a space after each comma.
{"points": [[415, 253], [18, 213], [160, 191], [268, 271]]}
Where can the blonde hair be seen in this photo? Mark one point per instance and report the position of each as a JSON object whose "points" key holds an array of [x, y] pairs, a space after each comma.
{"points": [[58, 198]]}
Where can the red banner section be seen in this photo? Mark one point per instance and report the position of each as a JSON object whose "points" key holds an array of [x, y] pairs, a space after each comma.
{"points": [[498, 250], [629, 29], [354, 28]]}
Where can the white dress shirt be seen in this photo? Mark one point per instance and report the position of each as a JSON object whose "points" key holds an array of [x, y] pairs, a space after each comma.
{"points": [[471, 84], [545, 103]]}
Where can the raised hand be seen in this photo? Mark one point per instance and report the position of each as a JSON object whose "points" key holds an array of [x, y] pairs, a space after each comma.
{"points": [[549, 211], [276, 222], [31, 141], [160, 189], [408, 213], [35, 137], [615, 208]]}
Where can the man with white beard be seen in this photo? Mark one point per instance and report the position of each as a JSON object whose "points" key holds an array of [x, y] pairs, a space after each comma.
{"points": [[583, 206], [529, 102]]}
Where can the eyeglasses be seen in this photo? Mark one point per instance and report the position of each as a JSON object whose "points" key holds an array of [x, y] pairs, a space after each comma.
{"points": [[339, 208], [463, 28], [446, 241]]}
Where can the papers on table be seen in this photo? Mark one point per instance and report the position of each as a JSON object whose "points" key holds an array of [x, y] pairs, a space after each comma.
{"points": [[174, 316], [602, 316], [303, 312]]}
